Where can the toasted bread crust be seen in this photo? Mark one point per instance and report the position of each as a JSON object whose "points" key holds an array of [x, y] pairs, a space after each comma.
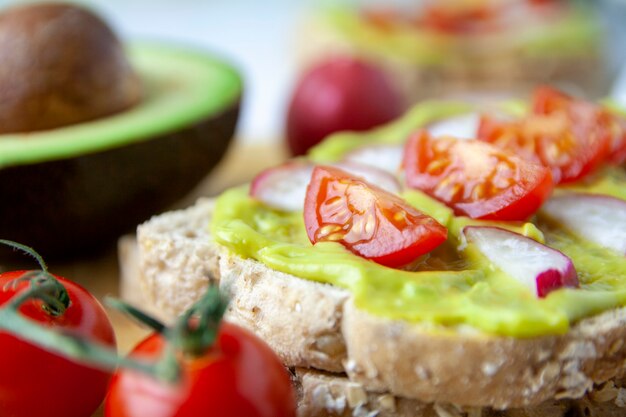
{"points": [[331, 395], [316, 325], [475, 369]]}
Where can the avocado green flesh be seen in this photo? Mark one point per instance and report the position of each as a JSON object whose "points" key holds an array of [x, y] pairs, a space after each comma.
{"points": [[447, 289], [181, 88]]}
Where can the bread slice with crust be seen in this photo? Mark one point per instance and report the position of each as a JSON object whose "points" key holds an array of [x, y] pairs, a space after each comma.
{"points": [[472, 64], [314, 325], [476, 369], [325, 394], [322, 394]]}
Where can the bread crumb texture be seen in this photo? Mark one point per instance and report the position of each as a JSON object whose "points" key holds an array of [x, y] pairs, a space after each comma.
{"points": [[324, 394]]}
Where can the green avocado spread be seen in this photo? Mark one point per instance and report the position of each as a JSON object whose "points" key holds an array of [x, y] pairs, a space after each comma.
{"points": [[450, 286]]}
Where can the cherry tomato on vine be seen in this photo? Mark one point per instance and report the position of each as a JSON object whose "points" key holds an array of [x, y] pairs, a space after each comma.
{"points": [[474, 178], [238, 376], [35, 382], [366, 219]]}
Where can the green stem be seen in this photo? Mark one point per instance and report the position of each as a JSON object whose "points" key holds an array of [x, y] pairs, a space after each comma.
{"points": [[197, 328], [87, 352], [55, 298], [28, 250], [46, 288], [53, 294], [193, 334], [137, 314], [167, 368]]}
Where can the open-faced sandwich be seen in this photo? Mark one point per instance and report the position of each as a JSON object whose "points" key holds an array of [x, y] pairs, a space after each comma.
{"points": [[437, 47], [456, 262]]}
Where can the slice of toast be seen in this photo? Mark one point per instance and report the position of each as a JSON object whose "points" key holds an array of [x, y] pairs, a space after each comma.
{"points": [[492, 66], [313, 325], [324, 394]]}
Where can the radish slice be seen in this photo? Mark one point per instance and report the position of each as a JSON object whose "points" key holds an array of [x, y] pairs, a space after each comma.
{"points": [[537, 266], [283, 187], [372, 175], [600, 219], [385, 157], [462, 127]]}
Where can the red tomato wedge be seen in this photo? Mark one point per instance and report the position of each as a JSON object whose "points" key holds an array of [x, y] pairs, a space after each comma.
{"points": [[548, 100], [474, 178], [570, 136], [367, 220]]}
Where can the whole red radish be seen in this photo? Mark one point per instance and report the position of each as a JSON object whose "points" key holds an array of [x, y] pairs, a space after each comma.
{"points": [[342, 93]]}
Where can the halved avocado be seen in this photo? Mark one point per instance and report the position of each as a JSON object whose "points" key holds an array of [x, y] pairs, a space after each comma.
{"points": [[73, 189]]}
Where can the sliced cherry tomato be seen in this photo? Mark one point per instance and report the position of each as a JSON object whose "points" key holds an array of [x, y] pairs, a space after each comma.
{"points": [[595, 119], [238, 376], [547, 100], [474, 178], [367, 220], [459, 19], [34, 382], [572, 137]]}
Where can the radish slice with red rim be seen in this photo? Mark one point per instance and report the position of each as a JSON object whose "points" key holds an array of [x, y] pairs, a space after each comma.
{"points": [[283, 187], [372, 175], [597, 218], [385, 157], [538, 267], [461, 127]]}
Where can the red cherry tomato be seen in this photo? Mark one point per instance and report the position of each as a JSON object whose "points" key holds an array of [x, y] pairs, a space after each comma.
{"points": [[367, 220], [548, 100], [571, 137], [34, 382], [239, 376], [475, 178], [459, 20], [343, 93]]}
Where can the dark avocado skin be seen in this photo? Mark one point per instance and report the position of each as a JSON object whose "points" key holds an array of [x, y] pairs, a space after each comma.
{"points": [[45, 204]]}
